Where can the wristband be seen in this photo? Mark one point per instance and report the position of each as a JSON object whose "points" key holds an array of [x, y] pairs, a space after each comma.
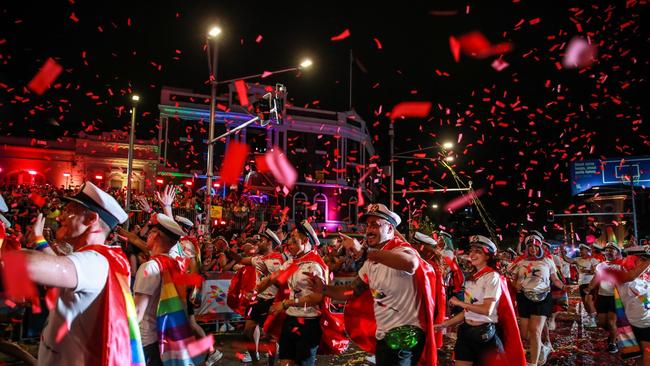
{"points": [[40, 243]]}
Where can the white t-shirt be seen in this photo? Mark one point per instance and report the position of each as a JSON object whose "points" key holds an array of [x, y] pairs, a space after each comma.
{"points": [[396, 299], [606, 288], [585, 265], [635, 297], [183, 252], [562, 265], [76, 318], [299, 287], [488, 286], [264, 266], [147, 282], [535, 275]]}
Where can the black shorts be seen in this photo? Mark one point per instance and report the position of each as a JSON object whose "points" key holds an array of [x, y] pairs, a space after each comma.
{"points": [[473, 342], [259, 310], [605, 304], [300, 339], [641, 334], [528, 307], [581, 289]]}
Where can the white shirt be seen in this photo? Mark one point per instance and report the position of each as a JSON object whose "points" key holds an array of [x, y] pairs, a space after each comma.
{"points": [[535, 275], [147, 282], [263, 268], [488, 286], [606, 288], [635, 298], [585, 265], [299, 287], [183, 252], [76, 318], [397, 302], [562, 265]]}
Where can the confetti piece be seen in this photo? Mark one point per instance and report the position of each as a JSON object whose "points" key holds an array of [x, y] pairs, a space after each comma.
{"points": [[499, 64], [579, 54], [242, 92], [18, 284], [233, 162], [281, 168], [345, 34], [455, 48], [45, 76], [410, 110]]}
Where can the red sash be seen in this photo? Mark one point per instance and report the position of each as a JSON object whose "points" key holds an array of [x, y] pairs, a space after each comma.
{"points": [[360, 315]]}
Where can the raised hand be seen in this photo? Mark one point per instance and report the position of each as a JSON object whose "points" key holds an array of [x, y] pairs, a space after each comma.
{"points": [[144, 204], [167, 197], [39, 224]]}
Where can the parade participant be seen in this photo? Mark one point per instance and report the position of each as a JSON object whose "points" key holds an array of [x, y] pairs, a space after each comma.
{"points": [[605, 304], [487, 306], [398, 328], [452, 274], [633, 289], [93, 321], [586, 266], [159, 299], [560, 296], [267, 261], [533, 277], [187, 252], [301, 332], [426, 246]]}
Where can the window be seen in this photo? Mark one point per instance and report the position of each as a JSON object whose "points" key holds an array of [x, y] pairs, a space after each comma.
{"points": [[320, 203], [353, 210], [299, 207]]}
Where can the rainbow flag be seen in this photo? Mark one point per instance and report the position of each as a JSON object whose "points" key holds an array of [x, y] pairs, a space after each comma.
{"points": [[177, 344], [627, 343], [120, 320]]}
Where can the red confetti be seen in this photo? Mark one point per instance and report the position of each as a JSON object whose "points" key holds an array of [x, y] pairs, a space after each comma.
{"points": [[18, 284], [242, 92], [281, 168], [410, 109], [345, 34], [377, 43], [45, 76], [37, 199], [233, 162], [455, 48]]}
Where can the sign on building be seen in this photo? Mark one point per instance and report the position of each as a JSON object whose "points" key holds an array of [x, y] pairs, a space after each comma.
{"points": [[587, 174]]}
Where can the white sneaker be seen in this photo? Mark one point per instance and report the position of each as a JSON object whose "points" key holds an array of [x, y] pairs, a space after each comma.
{"points": [[371, 359], [543, 354], [213, 357], [223, 328], [230, 327], [248, 357]]}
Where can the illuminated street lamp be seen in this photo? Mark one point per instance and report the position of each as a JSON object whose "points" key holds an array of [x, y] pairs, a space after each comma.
{"points": [[448, 145], [129, 170], [213, 34], [304, 64]]}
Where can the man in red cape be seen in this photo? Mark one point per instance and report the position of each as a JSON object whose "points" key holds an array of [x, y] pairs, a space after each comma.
{"points": [[390, 309]]}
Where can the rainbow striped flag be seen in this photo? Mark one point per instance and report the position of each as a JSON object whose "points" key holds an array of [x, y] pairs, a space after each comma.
{"points": [[627, 343], [120, 320], [177, 344]]}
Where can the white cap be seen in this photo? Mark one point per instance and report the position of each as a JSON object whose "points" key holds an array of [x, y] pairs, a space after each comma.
{"points": [[100, 202], [534, 235], [484, 242], [305, 228], [184, 222], [424, 239], [584, 246], [268, 233], [613, 246], [380, 210], [444, 233], [167, 225]]}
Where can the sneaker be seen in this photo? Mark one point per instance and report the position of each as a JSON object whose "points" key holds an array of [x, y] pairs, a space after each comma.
{"points": [[371, 359], [551, 325], [213, 357], [543, 354], [612, 348], [223, 328], [248, 357], [230, 327]]}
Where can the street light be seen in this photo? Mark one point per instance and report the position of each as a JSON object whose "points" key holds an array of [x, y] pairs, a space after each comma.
{"points": [[213, 33], [129, 170], [434, 206], [449, 158], [448, 145], [304, 64]]}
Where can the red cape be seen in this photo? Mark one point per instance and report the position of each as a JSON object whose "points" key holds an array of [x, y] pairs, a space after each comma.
{"points": [[360, 314], [459, 278], [333, 339], [242, 283], [508, 332]]}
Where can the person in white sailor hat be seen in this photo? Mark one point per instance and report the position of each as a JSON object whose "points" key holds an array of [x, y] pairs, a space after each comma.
{"points": [[426, 246], [533, 277], [85, 223], [164, 233], [266, 262], [389, 272], [586, 266], [301, 331]]}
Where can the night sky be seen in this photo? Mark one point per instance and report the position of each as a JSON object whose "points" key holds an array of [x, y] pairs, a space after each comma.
{"points": [[516, 130]]}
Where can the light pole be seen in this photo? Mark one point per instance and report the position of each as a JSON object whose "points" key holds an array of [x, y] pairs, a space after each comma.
{"points": [[129, 170], [212, 64], [304, 64]]}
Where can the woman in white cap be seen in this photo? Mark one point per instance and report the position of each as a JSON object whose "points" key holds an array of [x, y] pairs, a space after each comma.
{"points": [[605, 304], [586, 266], [478, 340], [533, 277]]}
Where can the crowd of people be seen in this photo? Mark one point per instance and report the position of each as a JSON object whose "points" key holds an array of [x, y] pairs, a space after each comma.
{"points": [[118, 296]]}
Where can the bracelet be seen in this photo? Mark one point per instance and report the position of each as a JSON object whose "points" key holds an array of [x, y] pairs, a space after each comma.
{"points": [[41, 243]]}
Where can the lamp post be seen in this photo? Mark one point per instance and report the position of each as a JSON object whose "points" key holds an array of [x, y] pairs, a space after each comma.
{"points": [[304, 64], [212, 63], [129, 170]]}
